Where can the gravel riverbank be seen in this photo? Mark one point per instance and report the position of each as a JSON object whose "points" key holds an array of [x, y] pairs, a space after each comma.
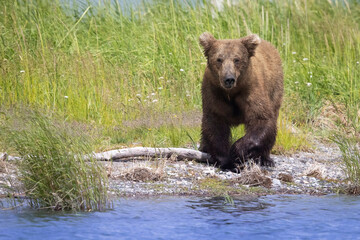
{"points": [[317, 172]]}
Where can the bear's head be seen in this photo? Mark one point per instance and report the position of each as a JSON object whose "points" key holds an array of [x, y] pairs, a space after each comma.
{"points": [[229, 59]]}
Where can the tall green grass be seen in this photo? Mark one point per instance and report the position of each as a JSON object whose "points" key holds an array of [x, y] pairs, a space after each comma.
{"points": [[54, 171], [109, 64], [351, 157]]}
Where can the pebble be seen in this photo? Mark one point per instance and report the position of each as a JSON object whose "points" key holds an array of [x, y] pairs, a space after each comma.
{"points": [[276, 183], [209, 171], [182, 177]]}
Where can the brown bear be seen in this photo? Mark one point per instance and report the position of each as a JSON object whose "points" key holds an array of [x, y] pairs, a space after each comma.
{"points": [[242, 84]]}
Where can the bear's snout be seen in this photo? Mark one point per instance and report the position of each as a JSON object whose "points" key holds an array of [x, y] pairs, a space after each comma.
{"points": [[228, 74], [229, 82]]}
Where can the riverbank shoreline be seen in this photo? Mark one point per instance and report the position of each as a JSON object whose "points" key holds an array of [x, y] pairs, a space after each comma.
{"points": [[318, 172]]}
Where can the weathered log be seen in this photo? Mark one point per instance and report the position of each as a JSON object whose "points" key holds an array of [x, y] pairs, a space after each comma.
{"points": [[5, 157], [181, 153], [127, 153]]}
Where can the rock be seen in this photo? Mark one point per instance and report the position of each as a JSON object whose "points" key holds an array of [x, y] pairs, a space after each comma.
{"points": [[209, 171], [276, 183]]}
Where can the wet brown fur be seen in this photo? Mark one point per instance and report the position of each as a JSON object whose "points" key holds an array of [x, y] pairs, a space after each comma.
{"points": [[253, 99]]}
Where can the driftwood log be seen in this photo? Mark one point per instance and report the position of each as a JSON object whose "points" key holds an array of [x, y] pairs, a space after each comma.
{"points": [[126, 153], [136, 152], [5, 157]]}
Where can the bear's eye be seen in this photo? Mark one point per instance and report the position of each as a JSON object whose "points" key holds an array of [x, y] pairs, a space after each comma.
{"points": [[219, 60], [236, 60]]}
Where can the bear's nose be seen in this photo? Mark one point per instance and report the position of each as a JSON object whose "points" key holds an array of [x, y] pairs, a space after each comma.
{"points": [[229, 82]]}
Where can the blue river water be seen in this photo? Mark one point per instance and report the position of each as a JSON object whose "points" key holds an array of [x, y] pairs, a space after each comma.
{"points": [[270, 217]]}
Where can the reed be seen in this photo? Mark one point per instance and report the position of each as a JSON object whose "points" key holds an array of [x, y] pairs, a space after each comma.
{"points": [[350, 150], [53, 170]]}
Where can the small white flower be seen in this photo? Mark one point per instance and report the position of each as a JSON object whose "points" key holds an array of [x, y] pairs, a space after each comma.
{"points": [[293, 52], [161, 77], [152, 94], [310, 76], [308, 84], [147, 96], [145, 100], [66, 97], [181, 70], [309, 72], [294, 61], [22, 71], [155, 100], [357, 62], [188, 95], [174, 95], [138, 95], [296, 82], [160, 88], [305, 59], [170, 53], [284, 44]]}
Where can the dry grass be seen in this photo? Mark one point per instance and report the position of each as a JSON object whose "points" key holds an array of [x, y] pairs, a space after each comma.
{"points": [[330, 116], [3, 163], [140, 174], [252, 175], [138, 171], [335, 116], [353, 190], [285, 177], [316, 171]]}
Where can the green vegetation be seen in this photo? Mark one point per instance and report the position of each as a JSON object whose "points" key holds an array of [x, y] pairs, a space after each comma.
{"points": [[226, 188], [130, 75], [109, 65], [351, 156], [53, 170], [217, 187]]}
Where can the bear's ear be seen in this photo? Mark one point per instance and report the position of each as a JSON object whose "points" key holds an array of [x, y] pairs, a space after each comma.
{"points": [[251, 42], [206, 40]]}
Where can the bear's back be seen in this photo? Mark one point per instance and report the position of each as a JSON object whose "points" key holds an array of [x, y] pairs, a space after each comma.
{"points": [[267, 66]]}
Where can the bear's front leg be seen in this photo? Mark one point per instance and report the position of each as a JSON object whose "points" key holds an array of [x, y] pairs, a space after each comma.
{"points": [[256, 144], [215, 139]]}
